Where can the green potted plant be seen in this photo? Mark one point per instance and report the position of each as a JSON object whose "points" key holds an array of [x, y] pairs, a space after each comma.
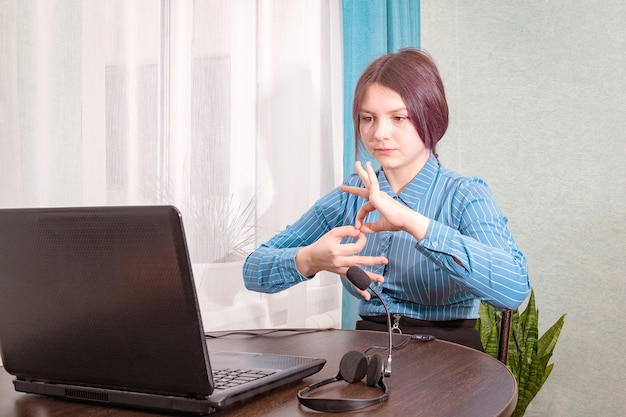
{"points": [[528, 354]]}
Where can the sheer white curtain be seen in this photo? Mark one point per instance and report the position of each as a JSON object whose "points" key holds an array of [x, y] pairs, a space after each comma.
{"points": [[230, 110]]}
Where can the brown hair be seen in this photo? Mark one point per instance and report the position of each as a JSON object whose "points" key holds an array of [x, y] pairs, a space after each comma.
{"points": [[414, 76]]}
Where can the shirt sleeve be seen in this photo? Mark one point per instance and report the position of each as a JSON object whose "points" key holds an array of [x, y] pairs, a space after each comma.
{"points": [[491, 265], [272, 267]]}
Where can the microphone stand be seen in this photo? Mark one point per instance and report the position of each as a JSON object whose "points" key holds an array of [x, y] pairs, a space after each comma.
{"points": [[361, 280], [388, 366]]}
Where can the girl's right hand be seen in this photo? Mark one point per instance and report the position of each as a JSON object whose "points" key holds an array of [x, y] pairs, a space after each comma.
{"points": [[329, 254]]}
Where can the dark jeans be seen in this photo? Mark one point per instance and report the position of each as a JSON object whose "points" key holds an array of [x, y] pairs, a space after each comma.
{"points": [[461, 331]]}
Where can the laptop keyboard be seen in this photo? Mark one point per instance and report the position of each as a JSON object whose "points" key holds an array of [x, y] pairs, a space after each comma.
{"points": [[228, 378]]}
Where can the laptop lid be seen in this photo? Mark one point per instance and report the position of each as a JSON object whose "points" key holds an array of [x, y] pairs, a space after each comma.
{"points": [[103, 297]]}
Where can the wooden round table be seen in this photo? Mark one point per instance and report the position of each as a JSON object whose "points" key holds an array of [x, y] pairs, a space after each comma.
{"points": [[432, 379]]}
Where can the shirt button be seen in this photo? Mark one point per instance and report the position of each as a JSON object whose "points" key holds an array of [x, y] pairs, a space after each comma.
{"points": [[435, 244]]}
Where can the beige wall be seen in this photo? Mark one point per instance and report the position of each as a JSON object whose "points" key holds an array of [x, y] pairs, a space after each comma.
{"points": [[537, 92]]}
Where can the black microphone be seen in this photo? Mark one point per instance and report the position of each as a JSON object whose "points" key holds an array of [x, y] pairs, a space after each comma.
{"points": [[362, 281]]}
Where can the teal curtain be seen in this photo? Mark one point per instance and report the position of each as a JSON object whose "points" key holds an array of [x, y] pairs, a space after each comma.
{"points": [[371, 28]]}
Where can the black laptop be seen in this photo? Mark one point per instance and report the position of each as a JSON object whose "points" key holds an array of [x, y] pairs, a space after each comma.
{"points": [[99, 304]]}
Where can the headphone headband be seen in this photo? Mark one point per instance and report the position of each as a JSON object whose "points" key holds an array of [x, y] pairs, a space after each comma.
{"points": [[338, 405]]}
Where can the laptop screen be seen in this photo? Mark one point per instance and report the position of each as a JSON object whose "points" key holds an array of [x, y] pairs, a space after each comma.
{"points": [[101, 295]]}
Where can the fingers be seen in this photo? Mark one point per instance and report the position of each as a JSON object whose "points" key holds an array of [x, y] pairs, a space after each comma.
{"points": [[367, 175], [358, 191], [337, 234], [374, 277], [365, 209], [370, 181], [362, 173], [330, 253], [344, 231], [371, 177], [365, 294], [370, 261], [349, 249]]}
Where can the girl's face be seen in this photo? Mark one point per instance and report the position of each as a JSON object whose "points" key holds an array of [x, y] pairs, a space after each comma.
{"points": [[389, 136]]}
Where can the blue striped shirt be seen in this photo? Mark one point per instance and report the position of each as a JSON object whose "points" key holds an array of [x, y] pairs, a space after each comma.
{"points": [[422, 280]]}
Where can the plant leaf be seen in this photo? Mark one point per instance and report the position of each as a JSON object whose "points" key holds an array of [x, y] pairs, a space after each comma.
{"points": [[488, 325], [548, 340], [529, 354]]}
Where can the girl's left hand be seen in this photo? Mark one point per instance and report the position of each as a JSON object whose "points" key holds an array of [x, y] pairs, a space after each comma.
{"points": [[392, 213]]}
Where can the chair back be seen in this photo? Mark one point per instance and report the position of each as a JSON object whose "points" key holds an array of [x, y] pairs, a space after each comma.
{"points": [[505, 330]]}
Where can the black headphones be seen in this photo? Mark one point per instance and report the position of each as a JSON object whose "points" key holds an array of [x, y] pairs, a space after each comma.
{"points": [[354, 366]]}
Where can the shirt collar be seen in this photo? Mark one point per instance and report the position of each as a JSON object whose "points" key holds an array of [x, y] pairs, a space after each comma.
{"points": [[416, 189]]}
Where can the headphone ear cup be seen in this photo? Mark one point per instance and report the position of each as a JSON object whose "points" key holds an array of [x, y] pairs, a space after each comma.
{"points": [[374, 370], [353, 366]]}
